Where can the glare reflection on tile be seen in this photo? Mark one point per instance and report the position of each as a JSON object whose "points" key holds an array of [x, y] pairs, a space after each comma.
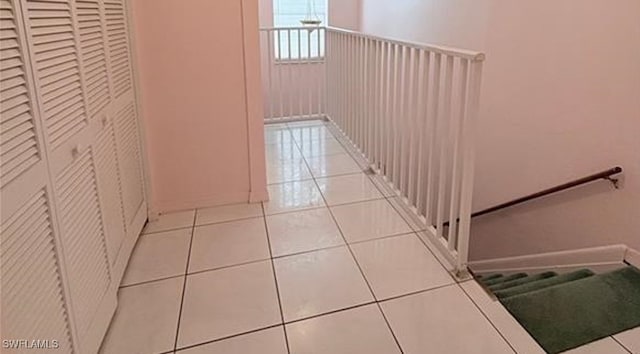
{"points": [[302, 231], [332, 165], [282, 152], [369, 220], [321, 148], [348, 189], [287, 171], [291, 196]]}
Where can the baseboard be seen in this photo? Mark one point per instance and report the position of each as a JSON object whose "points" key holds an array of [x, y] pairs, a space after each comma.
{"points": [[268, 121], [206, 202], [603, 257], [632, 257]]}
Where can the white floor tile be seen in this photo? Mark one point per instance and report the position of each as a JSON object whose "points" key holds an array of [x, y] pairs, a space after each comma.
{"points": [[444, 321], [602, 346], [512, 331], [322, 147], [282, 152], [228, 213], [229, 243], [157, 256], [287, 171], [310, 133], [170, 221], [319, 282], [399, 265], [307, 123], [369, 220], [302, 231], [268, 341], [146, 319], [226, 302], [360, 330], [348, 189], [630, 339], [277, 136], [332, 165], [290, 196]]}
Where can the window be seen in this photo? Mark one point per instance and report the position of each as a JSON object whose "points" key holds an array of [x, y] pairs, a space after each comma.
{"points": [[298, 44]]}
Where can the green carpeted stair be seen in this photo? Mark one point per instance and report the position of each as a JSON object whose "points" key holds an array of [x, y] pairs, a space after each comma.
{"points": [[569, 310]]}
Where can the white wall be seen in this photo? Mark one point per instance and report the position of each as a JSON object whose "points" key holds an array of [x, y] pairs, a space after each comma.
{"points": [[561, 99]]}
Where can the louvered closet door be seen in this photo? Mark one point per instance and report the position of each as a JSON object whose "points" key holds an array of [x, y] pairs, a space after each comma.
{"points": [[69, 60], [32, 291], [124, 110]]}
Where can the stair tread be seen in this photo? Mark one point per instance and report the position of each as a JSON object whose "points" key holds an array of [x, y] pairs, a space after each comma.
{"points": [[543, 283], [503, 279], [578, 312], [521, 281]]}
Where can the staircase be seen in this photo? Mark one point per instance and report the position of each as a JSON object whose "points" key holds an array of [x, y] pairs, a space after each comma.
{"points": [[564, 311]]}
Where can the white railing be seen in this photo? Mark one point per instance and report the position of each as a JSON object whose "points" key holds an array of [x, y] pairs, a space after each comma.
{"points": [[410, 110], [293, 73]]}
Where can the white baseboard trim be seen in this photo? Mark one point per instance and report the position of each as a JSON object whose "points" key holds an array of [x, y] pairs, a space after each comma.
{"points": [[632, 257], [596, 257]]}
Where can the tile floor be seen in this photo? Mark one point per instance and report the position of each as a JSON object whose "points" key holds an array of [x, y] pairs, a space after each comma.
{"points": [[328, 266]]}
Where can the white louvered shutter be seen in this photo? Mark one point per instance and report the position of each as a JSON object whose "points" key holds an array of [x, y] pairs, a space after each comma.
{"points": [[33, 294], [129, 158], [71, 173], [109, 185], [33, 305], [83, 239], [119, 52], [19, 147], [57, 68], [94, 54]]}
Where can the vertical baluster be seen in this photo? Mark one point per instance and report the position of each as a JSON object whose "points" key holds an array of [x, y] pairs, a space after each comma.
{"points": [[318, 73], [301, 78], [443, 159], [458, 125], [414, 101], [468, 154], [388, 113], [290, 66], [424, 118], [406, 130], [397, 71], [270, 59], [432, 135], [278, 68]]}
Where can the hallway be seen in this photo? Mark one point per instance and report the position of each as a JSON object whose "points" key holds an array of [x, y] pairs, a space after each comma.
{"points": [[328, 256]]}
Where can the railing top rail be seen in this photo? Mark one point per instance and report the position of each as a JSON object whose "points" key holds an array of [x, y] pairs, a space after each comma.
{"points": [[455, 52], [263, 29]]}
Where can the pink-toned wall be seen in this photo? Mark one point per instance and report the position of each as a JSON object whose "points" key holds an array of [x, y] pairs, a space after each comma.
{"points": [[561, 99], [199, 79]]}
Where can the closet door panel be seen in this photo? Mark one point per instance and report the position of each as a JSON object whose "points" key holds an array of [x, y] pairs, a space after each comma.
{"points": [[83, 239], [19, 149], [33, 304], [119, 52], [110, 191], [57, 69], [129, 158], [33, 293]]}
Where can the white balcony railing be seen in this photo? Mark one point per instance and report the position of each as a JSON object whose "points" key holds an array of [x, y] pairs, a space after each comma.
{"points": [[408, 108]]}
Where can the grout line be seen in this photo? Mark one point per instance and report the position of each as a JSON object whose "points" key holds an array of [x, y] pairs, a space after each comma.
{"points": [[359, 267], [150, 281], [275, 279], [486, 317], [190, 346], [344, 309], [228, 266], [184, 284], [167, 230], [620, 344], [228, 221]]}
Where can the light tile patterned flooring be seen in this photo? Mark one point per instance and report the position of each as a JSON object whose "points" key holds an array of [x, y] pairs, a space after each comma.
{"points": [[327, 266]]}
